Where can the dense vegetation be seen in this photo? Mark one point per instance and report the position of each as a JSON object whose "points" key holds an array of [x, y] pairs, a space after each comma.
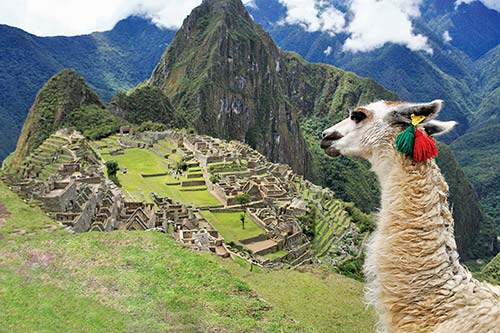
{"points": [[491, 272], [145, 103], [93, 121], [469, 218], [478, 155], [110, 61]]}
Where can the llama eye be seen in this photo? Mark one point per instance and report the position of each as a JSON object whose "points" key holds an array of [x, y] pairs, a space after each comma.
{"points": [[358, 116]]}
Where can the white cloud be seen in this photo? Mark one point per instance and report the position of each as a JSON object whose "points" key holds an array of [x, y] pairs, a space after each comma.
{"points": [[372, 23], [328, 51], [250, 3], [76, 17], [493, 4], [376, 22], [446, 37], [314, 15]]}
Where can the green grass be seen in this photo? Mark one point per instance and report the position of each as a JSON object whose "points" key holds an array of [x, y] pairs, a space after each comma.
{"points": [[229, 226], [318, 299], [145, 282], [33, 306], [277, 254], [144, 161], [119, 282]]}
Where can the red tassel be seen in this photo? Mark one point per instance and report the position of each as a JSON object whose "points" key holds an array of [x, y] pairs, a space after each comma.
{"points": [[424, 147]]}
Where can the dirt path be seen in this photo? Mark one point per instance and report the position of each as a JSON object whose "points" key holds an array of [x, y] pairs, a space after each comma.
{"points": [[3, 214]]}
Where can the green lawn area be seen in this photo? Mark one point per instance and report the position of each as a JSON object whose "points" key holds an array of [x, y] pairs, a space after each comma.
{"points": [[277, 254], [319, 299], [53, 281], [167, 143], [144, 161], [229, 225]]}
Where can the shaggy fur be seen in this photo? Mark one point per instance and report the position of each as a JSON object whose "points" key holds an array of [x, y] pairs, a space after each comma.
{"points": [[415, 280]]}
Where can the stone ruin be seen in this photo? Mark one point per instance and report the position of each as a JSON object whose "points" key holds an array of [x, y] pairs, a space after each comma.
{"points": [[66, 176]]}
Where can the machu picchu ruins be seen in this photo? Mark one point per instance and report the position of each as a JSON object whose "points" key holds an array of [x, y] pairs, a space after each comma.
{"points": [[193, 185]]}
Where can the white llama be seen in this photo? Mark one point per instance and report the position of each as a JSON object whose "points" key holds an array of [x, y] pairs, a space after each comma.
{"points": [[415, 280]]}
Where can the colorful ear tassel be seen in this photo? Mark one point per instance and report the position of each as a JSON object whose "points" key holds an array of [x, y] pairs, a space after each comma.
{"points": [[415, 143]]}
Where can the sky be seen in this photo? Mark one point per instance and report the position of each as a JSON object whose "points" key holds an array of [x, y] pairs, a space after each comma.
{"points": [[369, 23]]}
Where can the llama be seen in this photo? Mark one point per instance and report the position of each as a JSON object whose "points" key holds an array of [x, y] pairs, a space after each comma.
{"points": [[414, 278]]}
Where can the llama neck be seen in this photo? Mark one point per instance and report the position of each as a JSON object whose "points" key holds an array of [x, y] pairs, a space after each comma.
{"points": [[414, 242]]}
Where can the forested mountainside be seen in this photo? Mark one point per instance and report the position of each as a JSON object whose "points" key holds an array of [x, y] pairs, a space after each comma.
{"points": [[462, 69], [110, 61]]}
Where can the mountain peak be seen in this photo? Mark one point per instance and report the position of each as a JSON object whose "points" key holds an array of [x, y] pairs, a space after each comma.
{"points": [[61, 94]]}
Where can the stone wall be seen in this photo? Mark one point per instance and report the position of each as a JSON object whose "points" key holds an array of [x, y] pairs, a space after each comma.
{"points": [[84, 221], [63, 201]]}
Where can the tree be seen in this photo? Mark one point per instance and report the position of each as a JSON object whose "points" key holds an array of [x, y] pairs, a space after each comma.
{"points": [[308, 221], [181, 166], [214, 179], [243, 200], [112, 168]]}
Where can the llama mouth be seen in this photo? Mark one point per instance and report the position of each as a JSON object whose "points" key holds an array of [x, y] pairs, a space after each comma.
{"points": [[330, 150]]}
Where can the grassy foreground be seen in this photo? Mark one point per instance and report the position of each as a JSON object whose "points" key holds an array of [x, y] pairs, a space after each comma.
{"points": [[145, 282]]}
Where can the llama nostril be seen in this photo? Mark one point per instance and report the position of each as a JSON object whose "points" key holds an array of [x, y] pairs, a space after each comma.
{"points": [[335, 135]]}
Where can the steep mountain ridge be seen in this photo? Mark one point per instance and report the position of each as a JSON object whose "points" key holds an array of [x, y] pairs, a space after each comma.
{"points": [[227, 76], [64, 101]]}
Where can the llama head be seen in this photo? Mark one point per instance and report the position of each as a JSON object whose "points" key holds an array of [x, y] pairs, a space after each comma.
{"points": [[370, 131]]}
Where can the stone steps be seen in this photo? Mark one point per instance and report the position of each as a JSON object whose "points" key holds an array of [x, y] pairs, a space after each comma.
{"points": [[335, 235], [333, 224]]}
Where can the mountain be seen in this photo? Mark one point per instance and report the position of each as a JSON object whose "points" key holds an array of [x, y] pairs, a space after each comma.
{"points": [[226, 76], [111, 61], [472, 225], [464, 71], [64, 101], [443, 74], [477, 153]]}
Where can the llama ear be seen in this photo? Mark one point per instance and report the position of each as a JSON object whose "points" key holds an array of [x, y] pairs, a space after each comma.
{"points": [[436, 127], [403, 112]]}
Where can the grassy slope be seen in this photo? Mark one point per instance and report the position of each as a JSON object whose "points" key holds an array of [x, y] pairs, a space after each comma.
{"points": [[145, 282], [317, 298]]}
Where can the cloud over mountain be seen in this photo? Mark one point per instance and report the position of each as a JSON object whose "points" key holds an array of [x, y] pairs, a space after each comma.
{"points": [[376, 22], [493, 4], [368, 23], [76, 17]]}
